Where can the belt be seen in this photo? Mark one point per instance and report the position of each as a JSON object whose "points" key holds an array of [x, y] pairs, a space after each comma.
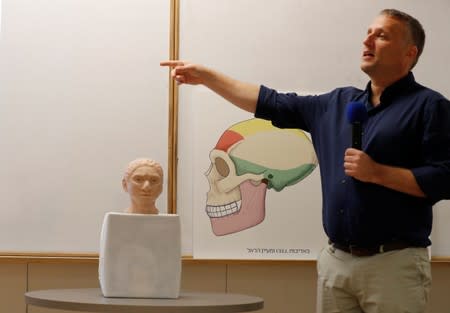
{"points": [[369, 251]]}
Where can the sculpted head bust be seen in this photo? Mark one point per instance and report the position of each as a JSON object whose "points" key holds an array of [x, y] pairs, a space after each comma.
{"points": [[143, 180]]}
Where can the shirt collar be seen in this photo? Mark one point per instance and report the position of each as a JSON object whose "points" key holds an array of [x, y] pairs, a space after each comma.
{"points": [[391, 92]]}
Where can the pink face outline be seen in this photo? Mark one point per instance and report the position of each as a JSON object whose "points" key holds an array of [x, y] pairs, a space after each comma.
{"points": [[234, 203]]}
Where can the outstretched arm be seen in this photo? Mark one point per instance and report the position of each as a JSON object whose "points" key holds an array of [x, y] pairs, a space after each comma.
{"points": [[360, 165], [241, 94]]}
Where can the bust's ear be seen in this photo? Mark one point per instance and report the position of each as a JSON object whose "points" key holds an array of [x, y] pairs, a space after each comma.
{"points": [[124, 185]]}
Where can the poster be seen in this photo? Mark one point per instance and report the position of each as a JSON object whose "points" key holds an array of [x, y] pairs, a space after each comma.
{"points": [[286, 219]]}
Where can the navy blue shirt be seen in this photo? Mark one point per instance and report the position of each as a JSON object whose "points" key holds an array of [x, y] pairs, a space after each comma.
{"points": [[410, 128]]}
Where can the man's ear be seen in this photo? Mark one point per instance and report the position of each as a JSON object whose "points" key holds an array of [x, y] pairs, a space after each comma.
{"points": [[412, 52], [124, 185]]}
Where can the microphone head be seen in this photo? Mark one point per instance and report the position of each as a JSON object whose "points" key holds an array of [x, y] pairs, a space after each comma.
{"points": [[356, 112]]}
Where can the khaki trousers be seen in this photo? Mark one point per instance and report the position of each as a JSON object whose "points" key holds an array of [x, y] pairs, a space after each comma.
{"points": [[392, 282]]}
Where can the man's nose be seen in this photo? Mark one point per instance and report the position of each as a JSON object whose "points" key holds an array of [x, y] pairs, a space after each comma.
{"points": [[368, 40], [146, 184]]}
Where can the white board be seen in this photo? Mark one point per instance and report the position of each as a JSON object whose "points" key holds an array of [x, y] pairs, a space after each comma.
{"points": [[81, 95]]}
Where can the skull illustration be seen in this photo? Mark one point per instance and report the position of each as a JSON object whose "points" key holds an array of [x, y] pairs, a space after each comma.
{"points": [[250, 157]]}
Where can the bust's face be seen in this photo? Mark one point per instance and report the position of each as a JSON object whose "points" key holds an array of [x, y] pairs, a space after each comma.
{"points": [[145, 183]]}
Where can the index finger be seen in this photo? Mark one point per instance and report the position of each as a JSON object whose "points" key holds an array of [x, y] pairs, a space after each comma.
{"points": [[171, 63], [351, 151]]}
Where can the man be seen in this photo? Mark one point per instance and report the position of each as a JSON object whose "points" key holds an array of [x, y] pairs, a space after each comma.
{"points": [[143, 180], [377, 202]]}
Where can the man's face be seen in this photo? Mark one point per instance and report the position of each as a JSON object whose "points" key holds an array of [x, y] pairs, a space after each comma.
{"points": [[144, 184], [388, 51]]}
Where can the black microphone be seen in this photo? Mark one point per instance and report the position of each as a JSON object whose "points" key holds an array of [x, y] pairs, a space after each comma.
{"points": [[356, 115]]}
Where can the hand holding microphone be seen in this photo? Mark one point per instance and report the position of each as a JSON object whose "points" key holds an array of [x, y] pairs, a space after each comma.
{"points": [[358, 164]]}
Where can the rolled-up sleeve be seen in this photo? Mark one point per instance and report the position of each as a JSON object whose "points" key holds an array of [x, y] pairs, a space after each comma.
{"points": [[434, 176]]}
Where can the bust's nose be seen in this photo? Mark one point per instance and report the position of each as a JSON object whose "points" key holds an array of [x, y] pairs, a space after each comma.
{"points": [[146, 184]]}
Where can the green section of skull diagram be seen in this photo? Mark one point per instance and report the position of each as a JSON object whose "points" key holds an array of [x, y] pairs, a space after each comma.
{"points": [[277, 179]]}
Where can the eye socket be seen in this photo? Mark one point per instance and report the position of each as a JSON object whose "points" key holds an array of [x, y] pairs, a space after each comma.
{"points": [[154, 180], [222, 167]]}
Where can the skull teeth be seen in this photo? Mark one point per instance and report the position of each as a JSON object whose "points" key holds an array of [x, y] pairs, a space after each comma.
{"points": [[223, 210]]}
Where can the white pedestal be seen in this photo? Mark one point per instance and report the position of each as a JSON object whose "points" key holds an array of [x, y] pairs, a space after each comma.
{"points": [[140, 255]]}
